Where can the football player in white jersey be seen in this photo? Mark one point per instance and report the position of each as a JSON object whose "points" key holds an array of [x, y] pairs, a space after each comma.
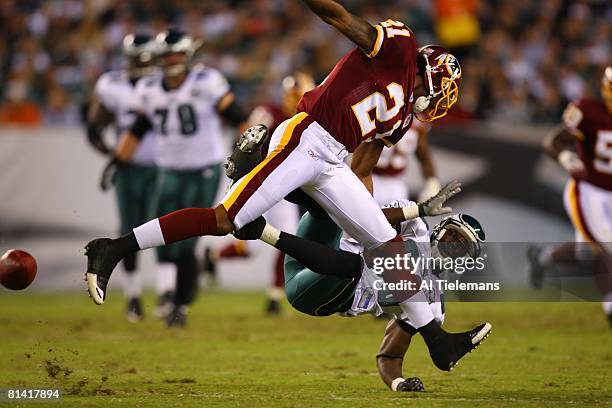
{"points": [[389, 174], [326, 274], [183, 108], [112, 104]]}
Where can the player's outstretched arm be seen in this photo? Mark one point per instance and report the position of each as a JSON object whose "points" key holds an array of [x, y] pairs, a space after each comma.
{"points": [[354, 27], [364, 161], [423, 154]]}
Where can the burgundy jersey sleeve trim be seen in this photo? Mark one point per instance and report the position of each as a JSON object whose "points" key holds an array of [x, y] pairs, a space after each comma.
{"points": [[380, 36]]}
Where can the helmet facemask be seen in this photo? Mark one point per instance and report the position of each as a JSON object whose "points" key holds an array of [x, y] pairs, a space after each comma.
{"points": [[441, 75], [175, 42], [458, 236]]}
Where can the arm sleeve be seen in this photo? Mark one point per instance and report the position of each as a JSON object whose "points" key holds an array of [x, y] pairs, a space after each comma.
{"points": [[393, 41], [141, 126]]}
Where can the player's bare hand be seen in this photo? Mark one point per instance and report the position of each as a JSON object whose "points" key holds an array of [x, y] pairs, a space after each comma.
{"points": [[433, 205]]}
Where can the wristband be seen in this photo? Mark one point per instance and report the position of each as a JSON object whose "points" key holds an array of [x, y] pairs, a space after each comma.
{"points": [[396, 382], [270, 235], [411, 212]]}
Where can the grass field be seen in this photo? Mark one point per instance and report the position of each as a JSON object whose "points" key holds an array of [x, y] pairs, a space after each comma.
{"points": [[554, 354]]}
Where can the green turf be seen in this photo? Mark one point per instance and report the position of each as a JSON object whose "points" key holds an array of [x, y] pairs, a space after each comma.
{"points": [[231, 354]]}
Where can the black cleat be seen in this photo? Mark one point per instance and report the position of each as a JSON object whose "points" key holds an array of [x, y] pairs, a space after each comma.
{"points": [[536, 271], [412, 384], [177, 317], [248, 152], [450, 348], [102, 258], [273, 307], [134, 312]]}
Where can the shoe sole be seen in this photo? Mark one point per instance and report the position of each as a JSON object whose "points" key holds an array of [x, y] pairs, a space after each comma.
{"points": [[476, 341], [95, 293]]}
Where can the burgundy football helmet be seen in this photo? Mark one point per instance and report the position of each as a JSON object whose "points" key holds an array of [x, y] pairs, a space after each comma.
{"points": [[441, 74]]}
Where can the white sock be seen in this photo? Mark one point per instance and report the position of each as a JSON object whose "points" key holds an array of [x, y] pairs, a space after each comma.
{"points": [[545, 257], [416, 310], [275, 293], [149, 234], [132, 284], [607, 303], [166, 277]]}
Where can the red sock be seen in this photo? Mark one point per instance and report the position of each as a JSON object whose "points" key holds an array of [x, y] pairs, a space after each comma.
{"points": [[188, 223]]}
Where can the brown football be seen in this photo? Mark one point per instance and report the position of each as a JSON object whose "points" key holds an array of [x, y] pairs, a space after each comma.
{"points": [[17, 269]]}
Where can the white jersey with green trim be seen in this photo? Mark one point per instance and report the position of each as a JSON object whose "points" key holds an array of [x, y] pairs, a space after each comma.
{"points": [[369, 286], [116, 93], [186, 124]]}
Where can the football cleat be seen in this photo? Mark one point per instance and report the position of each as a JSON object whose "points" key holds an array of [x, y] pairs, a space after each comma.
{"points": [[247, 153], [101, 260], [412, 384], [536, 271], [177, 317], [450, 348], [134, 312]]}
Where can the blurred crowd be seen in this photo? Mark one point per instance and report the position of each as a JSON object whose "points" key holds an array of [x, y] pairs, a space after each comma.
{"points": [[523, 60]]}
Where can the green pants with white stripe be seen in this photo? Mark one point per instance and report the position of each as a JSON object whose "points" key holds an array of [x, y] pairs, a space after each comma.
{"points": [[308, 291]]}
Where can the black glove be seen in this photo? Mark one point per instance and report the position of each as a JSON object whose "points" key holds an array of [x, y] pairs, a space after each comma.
{"points": [[252, 230], [410, 385], [110, 173]]}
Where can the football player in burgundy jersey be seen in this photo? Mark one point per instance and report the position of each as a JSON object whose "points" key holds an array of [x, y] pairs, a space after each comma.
{"points": [[284, 215], [366, 102], [389, 175], [583, 147]]}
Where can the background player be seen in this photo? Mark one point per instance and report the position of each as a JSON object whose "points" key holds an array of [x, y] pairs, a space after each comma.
{"points": [[325, 274], [584, 149], [365, 103], [112, 103], [389, 176], [183, 108], [283, 214]]}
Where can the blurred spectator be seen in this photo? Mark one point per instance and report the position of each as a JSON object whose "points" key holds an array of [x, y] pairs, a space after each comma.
{"points": [[523, 59]]}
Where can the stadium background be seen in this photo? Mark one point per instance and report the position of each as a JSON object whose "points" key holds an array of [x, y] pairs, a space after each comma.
{"points": [[522, 62]]}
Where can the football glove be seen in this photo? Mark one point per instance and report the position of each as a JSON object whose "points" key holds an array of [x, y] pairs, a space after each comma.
{"points": [[433, 205], [570, 162], [252, 230], [431, 187], [109, 174]]}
